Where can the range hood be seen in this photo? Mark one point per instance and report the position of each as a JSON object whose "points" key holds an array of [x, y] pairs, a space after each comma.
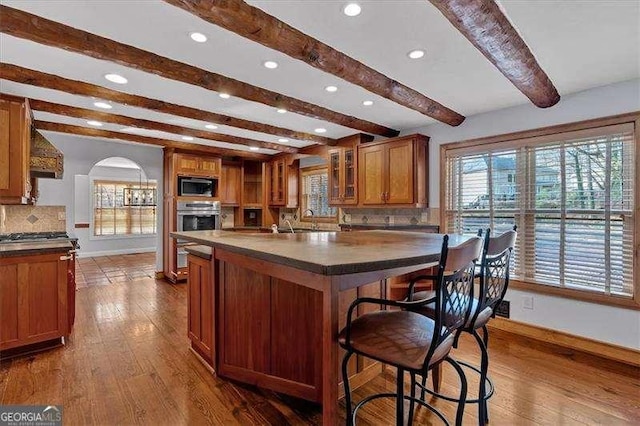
{"points": [[46, 160]]}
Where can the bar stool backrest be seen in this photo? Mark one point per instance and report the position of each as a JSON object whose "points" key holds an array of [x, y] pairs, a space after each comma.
{"points": [[454, 288], [494, 268]]}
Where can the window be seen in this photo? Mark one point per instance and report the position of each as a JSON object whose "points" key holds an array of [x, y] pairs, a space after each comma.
{"points": [[123, 208], [315, 194], [572, 196]]}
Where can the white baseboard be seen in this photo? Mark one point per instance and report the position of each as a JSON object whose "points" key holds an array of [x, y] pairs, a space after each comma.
{"points": [[82, 254]]}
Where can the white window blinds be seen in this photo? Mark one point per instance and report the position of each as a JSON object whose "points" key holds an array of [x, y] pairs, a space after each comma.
{"points": [[571, 195], [315, 193], [123, 208]]}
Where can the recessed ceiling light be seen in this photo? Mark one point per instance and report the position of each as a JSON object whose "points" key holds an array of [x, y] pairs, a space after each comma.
{"points": [[199, 37], [367, 103], [283, 140], [416, 54], [331, 89], [320, 130], [254, 148], [94, 123], [224, 95], [116, 78], [270, 64], [103, 105], [210, 126], [352, 9], [281, 110], [187, 138]]}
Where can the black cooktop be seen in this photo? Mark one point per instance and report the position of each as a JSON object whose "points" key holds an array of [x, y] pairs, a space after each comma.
{"points": [[30, 236]]}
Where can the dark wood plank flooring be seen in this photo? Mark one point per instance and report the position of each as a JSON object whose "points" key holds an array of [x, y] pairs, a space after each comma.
{"points": [[128, 362]]}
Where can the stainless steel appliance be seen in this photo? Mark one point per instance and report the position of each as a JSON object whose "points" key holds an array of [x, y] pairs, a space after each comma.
{"points": [[195, 216], [197, 186]]}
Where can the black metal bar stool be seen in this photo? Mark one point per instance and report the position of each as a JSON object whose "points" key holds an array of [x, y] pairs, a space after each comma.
{"points": [[494, 280], [410, 341]]}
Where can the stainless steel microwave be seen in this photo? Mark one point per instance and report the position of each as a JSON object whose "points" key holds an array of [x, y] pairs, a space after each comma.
{"points": [[197, 187]]}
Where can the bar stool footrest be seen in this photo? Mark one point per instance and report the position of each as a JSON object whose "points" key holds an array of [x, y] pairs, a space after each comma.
{"points": [[393, 395], [467, 401]]}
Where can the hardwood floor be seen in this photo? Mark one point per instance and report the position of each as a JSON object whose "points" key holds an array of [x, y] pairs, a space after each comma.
{"points": [[128, 362]]}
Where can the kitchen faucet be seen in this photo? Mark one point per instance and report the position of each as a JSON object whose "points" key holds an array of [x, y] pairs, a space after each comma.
{"points": [[289, 223], [314, 224]]}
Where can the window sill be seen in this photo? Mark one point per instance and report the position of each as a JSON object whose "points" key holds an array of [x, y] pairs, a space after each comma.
{"points": [[320, 219], [120, 237], [569, 293]]}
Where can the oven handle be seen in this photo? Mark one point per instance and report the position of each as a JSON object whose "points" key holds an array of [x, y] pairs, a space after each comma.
{"points": [[199, 213]]}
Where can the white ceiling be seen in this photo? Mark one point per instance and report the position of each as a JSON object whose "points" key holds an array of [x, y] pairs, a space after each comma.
{"points": [[581, 44]]}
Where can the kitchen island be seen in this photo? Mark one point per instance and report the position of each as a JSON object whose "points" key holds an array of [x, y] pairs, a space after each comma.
{"points": [[279, 301]]}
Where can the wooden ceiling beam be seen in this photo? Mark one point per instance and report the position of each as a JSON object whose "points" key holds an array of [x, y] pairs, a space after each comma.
{"points": [[50, 81], [88, 114], [40, 30], [490, 31], [255, 24], [127, 137]]}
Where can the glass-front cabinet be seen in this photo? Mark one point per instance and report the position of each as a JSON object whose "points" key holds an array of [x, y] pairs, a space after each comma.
{"points": [[342, 176], [277, 195]]}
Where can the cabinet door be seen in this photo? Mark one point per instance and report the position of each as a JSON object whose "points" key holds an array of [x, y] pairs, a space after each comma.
{"points": [[230, 184], [200, 315], [335, 187], [348, 163], [277, 182], [399, 173], [15, 146], [210, 166], [371, 174], [9, 302], [45, 297], [188, 164]]}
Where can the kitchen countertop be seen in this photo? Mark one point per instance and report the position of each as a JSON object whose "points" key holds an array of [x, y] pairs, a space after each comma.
{"points": [[35, 247], [330, 253], [200, 251], [398, 227]]}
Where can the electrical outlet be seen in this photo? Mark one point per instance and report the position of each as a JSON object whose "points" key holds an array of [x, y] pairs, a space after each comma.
{"points": [[62, 216], [503, 309], [391, 220], [424, 217], [347, 218], [527, 302]]}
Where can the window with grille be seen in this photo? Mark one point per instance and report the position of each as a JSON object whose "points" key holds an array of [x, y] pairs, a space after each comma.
{"points": [[315, 194], [571, 196], [123, 208]]}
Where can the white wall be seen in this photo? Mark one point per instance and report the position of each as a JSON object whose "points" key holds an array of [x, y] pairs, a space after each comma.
{"points": [[605, 323], [80, 155]]}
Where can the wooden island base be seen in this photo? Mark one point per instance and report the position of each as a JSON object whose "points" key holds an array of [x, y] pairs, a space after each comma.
{"points": [[267, 309]]}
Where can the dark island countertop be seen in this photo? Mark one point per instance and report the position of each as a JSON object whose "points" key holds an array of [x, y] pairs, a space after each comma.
{"points": [[34, 247], [204, 252], [330, 253]]}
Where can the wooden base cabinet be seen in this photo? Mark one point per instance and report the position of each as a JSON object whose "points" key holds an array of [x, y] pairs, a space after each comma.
{"points": [[33, 299], [201, 308]]}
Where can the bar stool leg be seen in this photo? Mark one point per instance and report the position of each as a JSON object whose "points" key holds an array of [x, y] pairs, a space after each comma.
{"points": [[463, 390], [347, 389], [413, 396], [483, 416], [400, 398]]}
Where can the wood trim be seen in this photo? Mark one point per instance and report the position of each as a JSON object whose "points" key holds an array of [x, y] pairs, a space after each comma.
{"points": [[159, 275], [50, 81], [544, 131], [81, 225], [583, 295], [631, 117], [108, 134], [253, 23], [490, 31], [31, 27], [583, 344], [71, 111]]}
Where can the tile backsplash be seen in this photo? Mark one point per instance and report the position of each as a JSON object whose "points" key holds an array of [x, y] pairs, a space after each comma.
{"points": [[32, 219]]}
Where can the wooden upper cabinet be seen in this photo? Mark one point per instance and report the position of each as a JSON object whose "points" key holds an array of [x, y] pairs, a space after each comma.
{"points": [[230, 184], [394, 172], [194, 165], [342, 176], [283, 182], [15, 147]]}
